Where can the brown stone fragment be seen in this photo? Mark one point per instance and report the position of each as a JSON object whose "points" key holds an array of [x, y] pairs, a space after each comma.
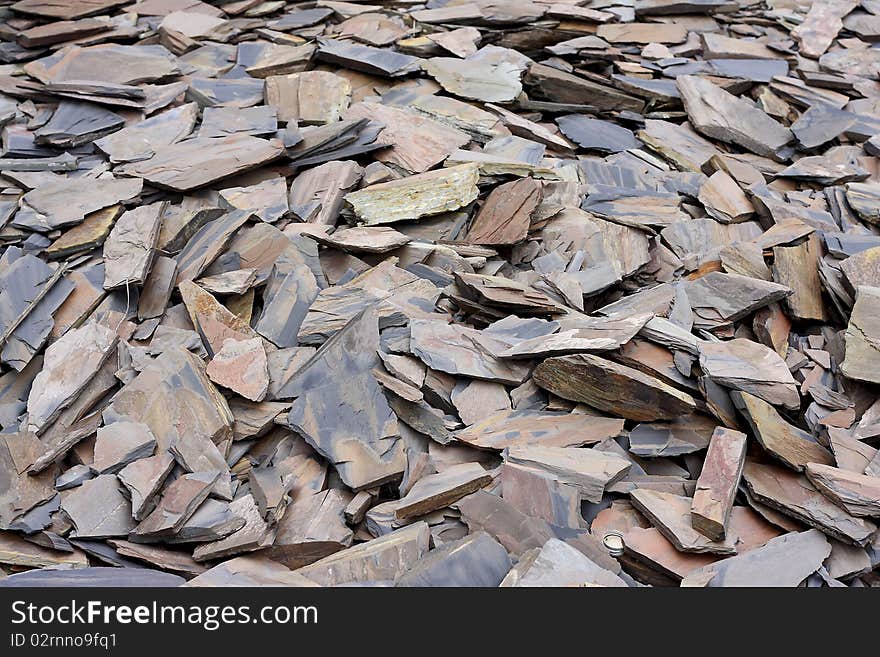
{"points": [[859, 494], [613, 388], [442, 489], [241, 366], [786, 442], [717, 484], [795, 496], [505, 216]]}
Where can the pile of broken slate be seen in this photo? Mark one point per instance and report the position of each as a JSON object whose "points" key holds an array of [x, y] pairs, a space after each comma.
{"points": [[457, 293]]}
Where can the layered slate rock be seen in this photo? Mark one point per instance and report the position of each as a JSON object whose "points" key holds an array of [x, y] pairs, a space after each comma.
{"points": [[609, 386], [857, 493], [717, 483], [671, 515], [445, 294], [862, 353], [791, 445], [752, 368], [190, 164], [784, 561], [336, 392], [795, 496], [721, 115], [416, 196]]}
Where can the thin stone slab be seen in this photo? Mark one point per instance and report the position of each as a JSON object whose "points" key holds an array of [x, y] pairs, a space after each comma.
{"points": [[717, 483], [132, 65], [786, 442], [140, 141], [312, 528], [68, 201], [721, 115], [242, 366], [130, 246], [194, 163], [559, 564], [862, 361], [475, 560], [143, 479], [98, 509], [69, 365], [612, 388], [335, 392], [254, 535], [477, 78], [589, 470], [119, 444], [74, 124], [95, 576], [597, 135], [717, 298], [859, 494], [783, 561], [752, 368], [425, 194], [442, 489], [381, 559], [671, 515], [795, 496], [505, 216], [178, 502], [549, 429], [175, 398]]}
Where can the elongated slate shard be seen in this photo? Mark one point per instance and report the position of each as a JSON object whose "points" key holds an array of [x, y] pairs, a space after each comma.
{"points": [[188, 165], [717, 483], [612, 388]]}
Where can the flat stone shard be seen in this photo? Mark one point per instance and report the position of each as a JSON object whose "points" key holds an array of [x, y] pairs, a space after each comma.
{"points": [[341, 411], [177, 401], [718, 298], [381, 559], [505, 217], [671, 515], [130, 246], [587, 470], [720, 115], [475, 560], [784, 561], [862, 347], [442, 489], [69, 365], [194, 163], [857, 493], [612, 388], [241, 366], [487, 75], [791, 445], [717, 483], [750, 367], [559, 564], [311, 529], [463, 351], [179, 501], [516, 428], [795, 496], [417, 196], [98, 509], [121, 443], [143, 479]]}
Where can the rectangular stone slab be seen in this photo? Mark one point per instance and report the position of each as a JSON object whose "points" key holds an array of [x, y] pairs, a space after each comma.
{"points": [[717, 483]]}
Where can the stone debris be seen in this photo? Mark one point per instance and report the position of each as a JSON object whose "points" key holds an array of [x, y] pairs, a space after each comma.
{"points": [[456, 293]]}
